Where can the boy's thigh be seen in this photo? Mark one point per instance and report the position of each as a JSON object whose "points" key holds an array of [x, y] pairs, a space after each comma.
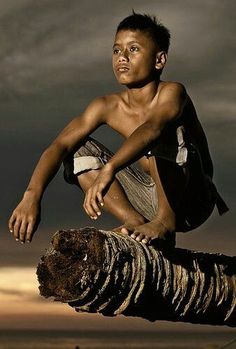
{"points": [[138, 186], [198, 204], [140, 190], [190, 193], [198, 201], [91, 155]]}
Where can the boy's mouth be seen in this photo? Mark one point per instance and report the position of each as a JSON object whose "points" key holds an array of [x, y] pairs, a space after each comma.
{"points": [[122, 68]]}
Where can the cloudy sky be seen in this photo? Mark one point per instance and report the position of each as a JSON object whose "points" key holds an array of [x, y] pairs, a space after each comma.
{"points": [[55, 57]]}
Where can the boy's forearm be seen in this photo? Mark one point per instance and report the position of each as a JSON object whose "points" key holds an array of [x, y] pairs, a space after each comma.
{"points": [[45, 170], [134, 147], [141, 139]]}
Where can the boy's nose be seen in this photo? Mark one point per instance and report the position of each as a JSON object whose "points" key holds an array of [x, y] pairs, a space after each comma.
{"points": [[123, 57]]}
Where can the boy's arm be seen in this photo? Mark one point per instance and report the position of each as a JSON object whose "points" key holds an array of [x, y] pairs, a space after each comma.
{"points": [[170, 105], [25, 218]]}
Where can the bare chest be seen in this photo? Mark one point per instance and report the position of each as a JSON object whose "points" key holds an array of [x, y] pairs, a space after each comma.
{"points": [[125, 125]]}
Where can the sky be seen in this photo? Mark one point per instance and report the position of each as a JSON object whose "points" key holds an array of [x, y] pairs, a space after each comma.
{"points": [[55, 57]]}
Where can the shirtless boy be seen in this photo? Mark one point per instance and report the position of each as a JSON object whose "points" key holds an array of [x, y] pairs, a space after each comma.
{"points": [[158, 120]]}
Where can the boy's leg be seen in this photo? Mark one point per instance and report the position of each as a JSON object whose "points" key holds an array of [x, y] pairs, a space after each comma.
{"points": [[171, 182], [131, 196], [115, 200], [186, 197]]}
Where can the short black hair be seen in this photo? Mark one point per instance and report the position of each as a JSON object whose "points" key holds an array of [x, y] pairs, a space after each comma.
{"points": [[149, 24]]}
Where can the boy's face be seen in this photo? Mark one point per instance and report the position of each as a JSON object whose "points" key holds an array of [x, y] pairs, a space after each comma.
{"points": [[134, 57]]}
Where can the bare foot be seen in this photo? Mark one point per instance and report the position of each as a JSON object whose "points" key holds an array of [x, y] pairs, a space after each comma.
{"points": [[128, 227], [125, 228], [153, 230]]}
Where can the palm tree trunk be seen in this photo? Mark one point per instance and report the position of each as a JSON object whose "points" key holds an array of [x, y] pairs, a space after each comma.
{"points": [[105, 272]]}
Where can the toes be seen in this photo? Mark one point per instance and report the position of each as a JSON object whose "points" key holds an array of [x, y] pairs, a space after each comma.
{"points": [[134, 235], [124, 231], [121, 230], [139, 237], [145, 240]]}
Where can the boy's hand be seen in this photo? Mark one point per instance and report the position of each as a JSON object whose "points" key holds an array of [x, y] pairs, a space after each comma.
{"points": [[25, 220], [94, 195]]}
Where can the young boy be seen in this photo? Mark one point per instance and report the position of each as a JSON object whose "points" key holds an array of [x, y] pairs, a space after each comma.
{"points": [[173, 191]]}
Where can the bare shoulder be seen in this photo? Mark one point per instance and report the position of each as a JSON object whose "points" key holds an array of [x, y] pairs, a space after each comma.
{"points": [[105, 103], [172, 89], [97, 106], [114, 99], [171, 98]]}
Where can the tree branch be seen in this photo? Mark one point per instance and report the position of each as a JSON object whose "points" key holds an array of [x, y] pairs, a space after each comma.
{"points": [[108, 273]]}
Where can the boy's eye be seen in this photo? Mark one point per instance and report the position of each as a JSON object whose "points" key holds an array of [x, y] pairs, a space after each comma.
{"points": [[116, 51], [134, 49]]}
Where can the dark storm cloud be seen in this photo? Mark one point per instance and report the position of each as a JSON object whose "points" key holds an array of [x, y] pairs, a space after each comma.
{"points": [[55, 58], [60, 51], [53, 43]]}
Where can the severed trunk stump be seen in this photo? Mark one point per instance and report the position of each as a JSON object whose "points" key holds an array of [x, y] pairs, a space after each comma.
{"points": [[104, 272]]}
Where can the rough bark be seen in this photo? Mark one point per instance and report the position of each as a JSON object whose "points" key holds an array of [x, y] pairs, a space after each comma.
{"points": [[107, 273]]}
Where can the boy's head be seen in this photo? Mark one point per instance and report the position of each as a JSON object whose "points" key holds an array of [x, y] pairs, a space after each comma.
{"points": [[140, 49], [149, 25]]}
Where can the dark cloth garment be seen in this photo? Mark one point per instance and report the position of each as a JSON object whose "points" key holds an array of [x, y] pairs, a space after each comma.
{"points": [[200, 195], [138, 186]]}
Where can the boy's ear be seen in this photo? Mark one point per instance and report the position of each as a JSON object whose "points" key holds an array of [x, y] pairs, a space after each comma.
{"points": [[161, 59]]}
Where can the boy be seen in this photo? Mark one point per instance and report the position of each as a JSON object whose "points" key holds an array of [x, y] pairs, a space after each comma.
{"points": [[173, 191]]}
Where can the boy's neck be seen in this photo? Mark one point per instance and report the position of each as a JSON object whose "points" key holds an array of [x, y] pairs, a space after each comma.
{"points": [[142, 96]]}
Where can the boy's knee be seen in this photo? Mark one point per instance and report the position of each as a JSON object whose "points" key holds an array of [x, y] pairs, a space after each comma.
{"points": [[85, 163], [92, 155], [86, 178], [78, 165]]}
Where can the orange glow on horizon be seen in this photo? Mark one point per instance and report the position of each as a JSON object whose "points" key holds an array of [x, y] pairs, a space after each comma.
{"points": [[23, 308]]}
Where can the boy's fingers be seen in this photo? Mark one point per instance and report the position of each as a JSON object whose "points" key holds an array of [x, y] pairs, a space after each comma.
{"points": [[94, 204], [87, 205], [22, 237], [84, 205], [29, 232], [90, 209], [23, 226], [94, 208], [92, 199], [10, 224], [100, 198], [16, 229], [22, 231]]}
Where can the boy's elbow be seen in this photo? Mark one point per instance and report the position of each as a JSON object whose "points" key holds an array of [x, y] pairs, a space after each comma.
{"points": [[57, 148]]}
